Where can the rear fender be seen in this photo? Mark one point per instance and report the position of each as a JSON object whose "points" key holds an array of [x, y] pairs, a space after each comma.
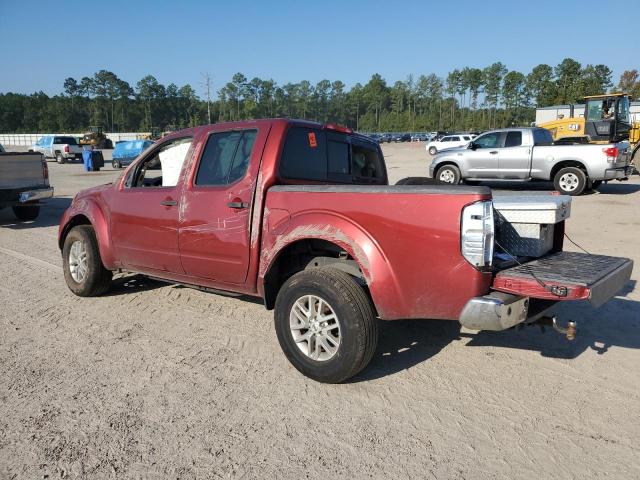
{"points": [[90, 210], [282, 230]]}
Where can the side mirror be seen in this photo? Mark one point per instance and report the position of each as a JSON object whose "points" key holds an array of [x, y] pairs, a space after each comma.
{"points": [[472, 146]]}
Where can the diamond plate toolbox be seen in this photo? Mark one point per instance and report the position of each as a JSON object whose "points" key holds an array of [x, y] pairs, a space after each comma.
{"points": [[525, 225]]}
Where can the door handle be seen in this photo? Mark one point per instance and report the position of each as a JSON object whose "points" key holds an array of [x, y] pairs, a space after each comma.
{"points": [[169, 203], [494, 152], [238, 205]]}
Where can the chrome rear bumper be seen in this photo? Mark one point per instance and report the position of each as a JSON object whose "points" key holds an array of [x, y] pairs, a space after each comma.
{"points": [[32, 195], [499, 311]]}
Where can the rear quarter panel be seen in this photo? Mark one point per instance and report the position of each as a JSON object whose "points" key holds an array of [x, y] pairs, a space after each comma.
{"points": [[406, 240], [591, 156]]}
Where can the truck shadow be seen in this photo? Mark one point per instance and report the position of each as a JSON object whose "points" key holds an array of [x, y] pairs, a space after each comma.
{"points": [[405, 343], [616, 324], [132, 283], [50, 213]]}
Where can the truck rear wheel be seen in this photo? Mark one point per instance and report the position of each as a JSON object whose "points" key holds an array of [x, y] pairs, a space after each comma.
{"points": [[449, 174], [570, 181], [83, 269], [433, 150], [326, 324], [60, 158], [26, 212]]}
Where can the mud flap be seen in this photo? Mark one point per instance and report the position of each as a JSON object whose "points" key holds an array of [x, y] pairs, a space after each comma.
{"points": [[567, 276]]}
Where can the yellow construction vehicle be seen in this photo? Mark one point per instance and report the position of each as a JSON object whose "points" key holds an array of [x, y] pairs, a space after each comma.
{"points": [[606, 119], [96, 137]]}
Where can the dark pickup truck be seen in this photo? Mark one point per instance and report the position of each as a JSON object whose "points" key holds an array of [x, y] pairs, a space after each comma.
{"points": [[301, 215], [24, 183]]}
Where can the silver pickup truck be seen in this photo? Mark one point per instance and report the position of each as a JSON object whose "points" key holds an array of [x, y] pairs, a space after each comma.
{"points": [[61, 147], [24, 182], [525, 154]]}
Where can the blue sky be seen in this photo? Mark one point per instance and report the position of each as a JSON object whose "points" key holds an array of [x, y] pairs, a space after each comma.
{"points": [[42, 43]]}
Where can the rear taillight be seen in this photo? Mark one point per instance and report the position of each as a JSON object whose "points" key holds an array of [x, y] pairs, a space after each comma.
{"points": [[66, 149], [45, 171], [611, 153], [477, 234]]}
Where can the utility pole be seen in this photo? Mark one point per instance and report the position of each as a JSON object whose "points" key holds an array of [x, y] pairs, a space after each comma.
{"points": [[207, 85]]}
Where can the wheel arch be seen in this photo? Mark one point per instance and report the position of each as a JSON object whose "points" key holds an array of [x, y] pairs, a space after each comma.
{"points": [[445, 163], [88, 213], [341, 245], [568, 163]]}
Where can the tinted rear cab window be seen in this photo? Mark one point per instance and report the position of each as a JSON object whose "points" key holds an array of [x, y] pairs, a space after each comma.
{"points": [[514, 139], [327, 156], [65, 141]]}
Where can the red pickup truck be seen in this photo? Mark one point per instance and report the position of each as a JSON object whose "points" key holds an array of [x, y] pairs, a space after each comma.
{"points": [[302, 215]]}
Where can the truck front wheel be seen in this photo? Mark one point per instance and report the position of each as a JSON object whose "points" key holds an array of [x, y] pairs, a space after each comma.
{"points": [[326, 324], [570, 181], [83, 269], [448, 174]]}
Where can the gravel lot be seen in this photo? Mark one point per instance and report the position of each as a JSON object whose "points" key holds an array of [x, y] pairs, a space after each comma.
{"points": [[157, 381]]}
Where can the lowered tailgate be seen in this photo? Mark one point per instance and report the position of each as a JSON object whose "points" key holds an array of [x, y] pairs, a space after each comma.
{"points": [[567, 276]]}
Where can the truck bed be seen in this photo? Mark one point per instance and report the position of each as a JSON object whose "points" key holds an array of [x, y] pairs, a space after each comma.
{"points": [[412, 229]]}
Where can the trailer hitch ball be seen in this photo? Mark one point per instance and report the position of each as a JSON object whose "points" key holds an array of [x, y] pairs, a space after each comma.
{"points": [[569, 331]]}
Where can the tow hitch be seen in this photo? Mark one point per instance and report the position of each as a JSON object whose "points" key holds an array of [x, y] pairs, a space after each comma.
{"points": [[569, 331]]}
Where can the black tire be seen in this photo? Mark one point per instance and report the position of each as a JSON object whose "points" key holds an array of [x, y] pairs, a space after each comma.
{"points": [[26, 212], [60, 158], [108, 143], [116, 164], [433, 150], [97, 278], [450, 172], [355, 316], [570, 181], [595, 184]]}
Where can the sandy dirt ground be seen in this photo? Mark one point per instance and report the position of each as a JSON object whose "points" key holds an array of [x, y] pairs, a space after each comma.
{"points": [[158, 381]]}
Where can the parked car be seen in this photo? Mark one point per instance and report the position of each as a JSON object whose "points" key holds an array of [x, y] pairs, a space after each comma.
{"points": [[62, 148], [448, 141], [384, 137], [24, 182], [420, 137], [126, 152], [525, 154], [301, 215], [401, 137]]}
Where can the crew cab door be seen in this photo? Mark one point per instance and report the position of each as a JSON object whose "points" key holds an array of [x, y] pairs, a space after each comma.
{"points": [[515, 156], [144, 211], [483, 158], [215, 222]]}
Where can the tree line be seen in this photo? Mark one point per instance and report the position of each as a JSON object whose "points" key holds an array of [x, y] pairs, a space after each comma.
{"points": [[465, 99]]}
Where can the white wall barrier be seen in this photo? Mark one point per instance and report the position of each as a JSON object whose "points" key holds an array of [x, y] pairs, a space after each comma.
{"points": [[28, 139]]}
